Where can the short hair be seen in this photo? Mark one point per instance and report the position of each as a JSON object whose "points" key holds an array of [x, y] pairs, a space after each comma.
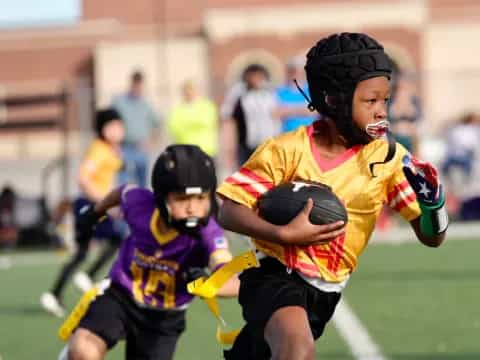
{"points": [[137, 76], [103, 117], [253, 68]]}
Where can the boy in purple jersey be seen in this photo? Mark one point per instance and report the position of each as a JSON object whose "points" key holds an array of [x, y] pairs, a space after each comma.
{"points": [[174, 236]]}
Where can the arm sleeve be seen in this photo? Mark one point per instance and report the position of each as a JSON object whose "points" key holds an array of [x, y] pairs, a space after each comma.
{"points": [[401, 197], [265, 169], [133, 199]]}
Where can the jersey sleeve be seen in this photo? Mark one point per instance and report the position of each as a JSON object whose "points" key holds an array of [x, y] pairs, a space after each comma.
{"points": [[265, 169], [132, 200], [400, 195], [216, 245], [95, 156]]}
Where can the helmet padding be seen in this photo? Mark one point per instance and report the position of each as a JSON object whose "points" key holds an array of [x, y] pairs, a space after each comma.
{"points": [[335, 65]]}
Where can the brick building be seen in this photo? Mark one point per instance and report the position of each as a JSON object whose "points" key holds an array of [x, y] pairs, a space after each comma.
{"points": [[212, 40]]}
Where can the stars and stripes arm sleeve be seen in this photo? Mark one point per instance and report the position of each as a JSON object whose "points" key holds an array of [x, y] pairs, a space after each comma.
{"points": [[401, 197], [265, 169]]}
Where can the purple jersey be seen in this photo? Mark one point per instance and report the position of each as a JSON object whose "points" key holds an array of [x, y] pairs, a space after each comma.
{"points": [[149, 264]]}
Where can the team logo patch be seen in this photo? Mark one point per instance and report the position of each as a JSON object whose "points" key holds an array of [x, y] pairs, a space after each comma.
{"points": [[220, 242]]}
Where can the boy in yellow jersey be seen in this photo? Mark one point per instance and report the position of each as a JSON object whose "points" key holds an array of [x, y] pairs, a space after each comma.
{"points": [[288, 300], [97, 176]]}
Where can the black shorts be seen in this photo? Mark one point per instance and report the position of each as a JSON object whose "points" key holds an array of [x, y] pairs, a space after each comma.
{"points": [[150, 334], [266, 289]]}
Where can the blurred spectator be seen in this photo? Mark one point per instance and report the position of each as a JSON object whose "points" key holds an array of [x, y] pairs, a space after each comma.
{"points": [[252, 117], [8, 230], [140, 121], [460, 166], [230, 99], [25, 221], [195, 120], [97, 176], [462, 142], [405, 111], [293, 109]]}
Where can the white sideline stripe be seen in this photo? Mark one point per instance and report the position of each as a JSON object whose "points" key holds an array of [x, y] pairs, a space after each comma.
{"points": [[355, 334]]}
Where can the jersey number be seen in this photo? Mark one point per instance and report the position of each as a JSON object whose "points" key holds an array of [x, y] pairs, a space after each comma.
{"points": [[143, 289]]}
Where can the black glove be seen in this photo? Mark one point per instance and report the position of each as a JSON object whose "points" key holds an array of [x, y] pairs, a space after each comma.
{"points": [[193, 273], [85, 224]]}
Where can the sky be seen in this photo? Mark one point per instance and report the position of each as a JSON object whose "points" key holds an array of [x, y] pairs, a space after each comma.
{"points": [[24, 13]]}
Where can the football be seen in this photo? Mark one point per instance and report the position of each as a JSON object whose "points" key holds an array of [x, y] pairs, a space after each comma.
{"points": [[282, 203]]}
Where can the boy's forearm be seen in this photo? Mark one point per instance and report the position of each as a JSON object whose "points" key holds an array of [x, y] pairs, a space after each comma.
{"points": [[431, 241], [112, 199], [240, 219]]}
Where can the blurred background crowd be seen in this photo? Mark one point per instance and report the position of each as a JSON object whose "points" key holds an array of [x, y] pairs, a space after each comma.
{"points": [[219, 74]]}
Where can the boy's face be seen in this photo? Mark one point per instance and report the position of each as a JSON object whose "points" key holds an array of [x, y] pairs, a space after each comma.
{"points": [[370, 101], [114, 132], [182, 206]]}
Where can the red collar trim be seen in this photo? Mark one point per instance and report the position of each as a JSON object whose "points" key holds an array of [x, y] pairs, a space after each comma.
{"points": [[325, 164]]}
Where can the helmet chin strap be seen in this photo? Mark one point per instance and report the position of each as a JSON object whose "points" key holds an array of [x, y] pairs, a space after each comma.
{"points": [[379, 131], [189, 224], [392, 146], [310, 105]]}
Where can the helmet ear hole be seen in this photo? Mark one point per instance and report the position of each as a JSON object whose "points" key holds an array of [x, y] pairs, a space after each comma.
{"points": [[170, 164]]}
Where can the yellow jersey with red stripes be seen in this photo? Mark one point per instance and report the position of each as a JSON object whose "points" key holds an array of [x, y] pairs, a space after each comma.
{"points": [[293, 157], [102, 163]]}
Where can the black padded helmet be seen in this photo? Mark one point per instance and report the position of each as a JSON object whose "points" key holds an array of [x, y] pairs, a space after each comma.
{"points": [[187, 169], [335, 65]]}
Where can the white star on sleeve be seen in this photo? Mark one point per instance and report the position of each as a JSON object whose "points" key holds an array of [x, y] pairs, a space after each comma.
{"points": [[424, 190]]}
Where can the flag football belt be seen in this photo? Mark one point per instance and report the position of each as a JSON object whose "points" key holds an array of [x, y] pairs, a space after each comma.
{"points": [[207, 289], [72, 321]]}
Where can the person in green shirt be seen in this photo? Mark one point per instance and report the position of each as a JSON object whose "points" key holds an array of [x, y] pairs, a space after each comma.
{"points": [[194, 120]]}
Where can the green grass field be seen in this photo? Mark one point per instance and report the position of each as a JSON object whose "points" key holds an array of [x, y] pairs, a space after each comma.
{"points": [[416, 303]]}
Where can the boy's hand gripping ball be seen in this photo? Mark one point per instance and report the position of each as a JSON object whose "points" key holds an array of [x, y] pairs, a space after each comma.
{"points": [[282, 203]]}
